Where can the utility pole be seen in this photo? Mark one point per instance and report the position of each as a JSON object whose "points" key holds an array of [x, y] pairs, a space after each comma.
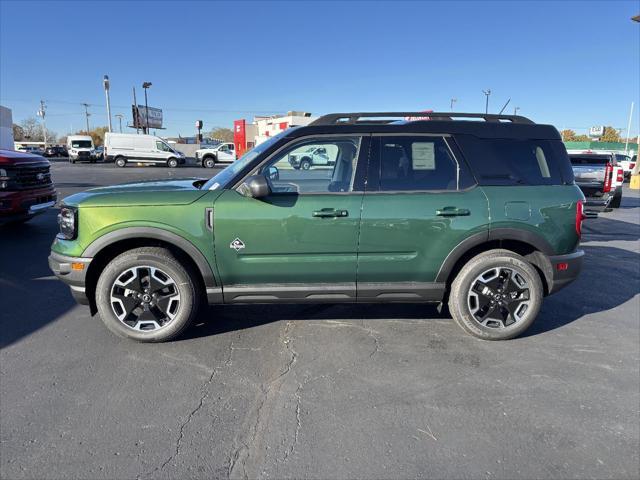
{"points": [[136, 115], [119, 117], [41, 114], [515, 110], [487, 93], [86, 114], [105, 82], [626, 143], [453, 100]]}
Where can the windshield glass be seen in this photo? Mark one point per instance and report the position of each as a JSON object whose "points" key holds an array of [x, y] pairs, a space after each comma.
{"points": [[81, 143], [222, 179]]}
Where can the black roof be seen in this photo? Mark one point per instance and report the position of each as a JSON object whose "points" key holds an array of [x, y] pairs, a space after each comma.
{"points": [[477, 124]]}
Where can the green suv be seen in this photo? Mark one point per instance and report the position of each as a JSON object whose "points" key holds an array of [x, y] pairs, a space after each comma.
{"points": [[477, 212]]}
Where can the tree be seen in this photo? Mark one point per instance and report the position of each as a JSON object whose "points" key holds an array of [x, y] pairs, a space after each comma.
{"points": [[32, 131], [222, 134], [96, 134], [568, 135], [610, 135], [582, 138], [18, 133]]}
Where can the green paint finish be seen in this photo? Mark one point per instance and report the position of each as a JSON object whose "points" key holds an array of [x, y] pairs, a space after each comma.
{"points": [[553, 212], [403, 239], [283, 242]]}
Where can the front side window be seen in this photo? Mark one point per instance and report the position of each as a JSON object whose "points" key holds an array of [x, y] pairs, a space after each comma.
{"points": [[300, 169], [420, 163], [163, 147]]}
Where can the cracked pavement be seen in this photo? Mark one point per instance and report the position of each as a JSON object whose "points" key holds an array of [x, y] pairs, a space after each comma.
{"points": [[322, 391]]}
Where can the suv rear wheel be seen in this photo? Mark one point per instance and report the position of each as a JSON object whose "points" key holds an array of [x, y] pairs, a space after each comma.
{"points": [[496, 296], [147, 295]]}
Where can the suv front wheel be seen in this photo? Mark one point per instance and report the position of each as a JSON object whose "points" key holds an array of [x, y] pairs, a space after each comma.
{"points": [[147, 295], [496, 296]]}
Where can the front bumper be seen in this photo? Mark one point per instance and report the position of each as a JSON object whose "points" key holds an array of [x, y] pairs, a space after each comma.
{"points": [[566, 269], [21, 204], [73, 272]]}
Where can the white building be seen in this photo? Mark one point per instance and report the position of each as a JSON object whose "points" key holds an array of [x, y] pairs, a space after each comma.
{"points": [[269, 126]]}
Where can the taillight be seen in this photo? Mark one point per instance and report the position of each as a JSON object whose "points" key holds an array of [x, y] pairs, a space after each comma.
{"points": [[620, 176], [632, 166], [579, 216], [608, 177]]}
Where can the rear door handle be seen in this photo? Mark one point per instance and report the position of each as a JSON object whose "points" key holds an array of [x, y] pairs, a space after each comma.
{"points": [[453, 212], [330, 213]]}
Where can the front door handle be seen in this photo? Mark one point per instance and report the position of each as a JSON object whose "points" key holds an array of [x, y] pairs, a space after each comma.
{"points": [[330, 213], [453, 212]]}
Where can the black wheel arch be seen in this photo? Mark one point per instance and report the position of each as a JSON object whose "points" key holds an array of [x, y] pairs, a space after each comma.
{"points": [[107, 247], [533, 247]]}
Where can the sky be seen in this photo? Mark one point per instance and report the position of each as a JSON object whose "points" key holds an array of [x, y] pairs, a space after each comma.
{"points": [[574, 64]]}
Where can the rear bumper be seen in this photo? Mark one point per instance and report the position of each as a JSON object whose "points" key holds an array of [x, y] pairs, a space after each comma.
{"points": [[566, 269], [67, 269]]}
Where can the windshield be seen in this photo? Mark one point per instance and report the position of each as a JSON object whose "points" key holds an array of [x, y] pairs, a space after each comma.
{"points": [[222, 179], [81, 143]]}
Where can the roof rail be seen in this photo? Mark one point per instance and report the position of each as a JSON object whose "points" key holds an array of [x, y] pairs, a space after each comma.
{"points": [[360, 117]]}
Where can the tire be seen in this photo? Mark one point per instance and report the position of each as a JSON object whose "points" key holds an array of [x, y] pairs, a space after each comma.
{"points": [[466, 305], [120, 162], [209, 162], [305, 164], [172, 163], [180, 295], [617, 199]]}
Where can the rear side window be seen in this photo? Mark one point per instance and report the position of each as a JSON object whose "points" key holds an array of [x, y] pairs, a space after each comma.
{"points": [[502, 161], [418, 163]]}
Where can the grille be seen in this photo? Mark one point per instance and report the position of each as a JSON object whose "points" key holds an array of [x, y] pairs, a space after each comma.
{"points": [[28, 177]]}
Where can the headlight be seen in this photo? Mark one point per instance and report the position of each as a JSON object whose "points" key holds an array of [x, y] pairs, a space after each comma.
{"points": [[67, 221]]}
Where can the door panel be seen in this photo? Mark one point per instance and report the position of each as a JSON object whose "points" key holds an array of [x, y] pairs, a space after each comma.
{"points": [[403, 239], [287, 238], [420, 203]]}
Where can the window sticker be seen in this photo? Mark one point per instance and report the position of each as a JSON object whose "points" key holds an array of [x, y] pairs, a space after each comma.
{"points": [[423, 156]]}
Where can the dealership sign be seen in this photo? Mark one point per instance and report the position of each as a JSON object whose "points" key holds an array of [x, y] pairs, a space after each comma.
{"points": [[140, 117], [596, 131]]}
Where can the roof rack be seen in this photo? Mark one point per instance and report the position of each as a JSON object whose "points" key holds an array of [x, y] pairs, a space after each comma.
{"points": [[360, 117]]}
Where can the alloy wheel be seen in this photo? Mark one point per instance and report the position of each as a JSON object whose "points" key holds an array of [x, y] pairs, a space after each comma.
{"points": [[145, 298], [499, 297]]}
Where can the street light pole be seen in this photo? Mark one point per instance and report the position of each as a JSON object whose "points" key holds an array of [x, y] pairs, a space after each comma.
{"points": [[626, 144], [105, 81], [146, 85], [41, 113], [119, 117], [86, 114], [487, 92], [515, 110], [453, 100]]}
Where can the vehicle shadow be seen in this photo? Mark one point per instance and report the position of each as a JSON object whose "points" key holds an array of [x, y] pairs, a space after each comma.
{"points": [[599, 287], [609, 229], [30, 296], [630, 202]]}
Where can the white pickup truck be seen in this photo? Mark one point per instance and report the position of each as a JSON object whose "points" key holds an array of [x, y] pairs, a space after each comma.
{"points": [[599, 177], [208, 157]]}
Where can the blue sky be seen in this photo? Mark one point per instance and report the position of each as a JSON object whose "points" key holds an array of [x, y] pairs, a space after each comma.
{"points": [[573, 64]]}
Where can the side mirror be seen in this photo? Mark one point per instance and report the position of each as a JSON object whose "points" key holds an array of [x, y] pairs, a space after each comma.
{"points": [[255, 187], [273, 173]]}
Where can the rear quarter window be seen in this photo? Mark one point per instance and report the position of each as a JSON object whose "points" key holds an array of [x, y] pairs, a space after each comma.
{"points": [[504, 161]]}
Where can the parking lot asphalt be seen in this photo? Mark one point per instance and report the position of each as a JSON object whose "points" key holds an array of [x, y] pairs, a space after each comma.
{"points": [[344, 391]]}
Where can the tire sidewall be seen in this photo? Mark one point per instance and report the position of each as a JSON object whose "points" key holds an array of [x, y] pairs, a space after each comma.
{"points": [[458, 302], [184, 284], [172, 163], [209, 162], [120, 162], [305, 164]]}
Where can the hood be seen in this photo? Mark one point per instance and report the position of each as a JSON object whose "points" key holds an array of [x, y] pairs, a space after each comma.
{"points": [[11, 157], [153, 192]]}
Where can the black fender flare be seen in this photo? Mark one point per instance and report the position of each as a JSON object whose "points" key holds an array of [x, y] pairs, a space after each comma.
{"points": [[497, 234], [154, 233]]}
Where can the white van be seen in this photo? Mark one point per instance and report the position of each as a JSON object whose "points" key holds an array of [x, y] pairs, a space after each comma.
{"points": [[123, 148], [80, 148]]}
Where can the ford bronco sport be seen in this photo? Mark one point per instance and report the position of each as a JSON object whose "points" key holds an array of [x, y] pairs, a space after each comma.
{"points": [[479, 212]]}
